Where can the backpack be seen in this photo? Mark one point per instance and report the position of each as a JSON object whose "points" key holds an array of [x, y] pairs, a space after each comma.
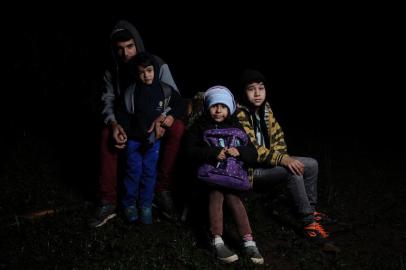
{"points": [[229, 173]]}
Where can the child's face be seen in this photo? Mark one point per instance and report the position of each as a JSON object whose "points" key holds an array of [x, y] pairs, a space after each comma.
{"points": [[218, 112], [256, 93], [146, 74]]}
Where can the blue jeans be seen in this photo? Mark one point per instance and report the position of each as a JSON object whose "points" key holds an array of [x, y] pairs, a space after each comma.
{"points": [[140, 178], [303, 188]]}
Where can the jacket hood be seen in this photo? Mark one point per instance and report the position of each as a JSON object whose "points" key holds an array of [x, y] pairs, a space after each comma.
{"points": [[250, 76], [141, 59], [125, 25]]}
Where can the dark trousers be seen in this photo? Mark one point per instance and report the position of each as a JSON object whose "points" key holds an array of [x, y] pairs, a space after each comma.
{"points": [[303, 188]]}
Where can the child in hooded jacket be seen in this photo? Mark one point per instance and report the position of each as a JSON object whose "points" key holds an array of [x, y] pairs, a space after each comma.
{"points": [[144, 101]]}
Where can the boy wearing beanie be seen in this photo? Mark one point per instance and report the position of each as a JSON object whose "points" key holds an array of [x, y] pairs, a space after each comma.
{"points": [[274, 164]]}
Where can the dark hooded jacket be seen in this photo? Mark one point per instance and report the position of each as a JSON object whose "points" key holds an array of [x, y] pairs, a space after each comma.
{"points": [[115, 94], [147, 102]]}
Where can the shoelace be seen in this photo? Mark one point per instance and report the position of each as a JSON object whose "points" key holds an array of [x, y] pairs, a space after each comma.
{"points": [[315, 226]]}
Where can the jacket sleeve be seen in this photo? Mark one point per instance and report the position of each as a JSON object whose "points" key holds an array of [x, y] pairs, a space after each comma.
{"points": [[177, 104], [165, 76], [248, 154], [277, 144], [277, 151], [197, 150], [108, 97]]}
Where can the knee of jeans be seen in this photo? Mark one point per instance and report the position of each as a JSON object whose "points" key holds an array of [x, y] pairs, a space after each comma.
{"points": [[312, 164], [296, 179]]}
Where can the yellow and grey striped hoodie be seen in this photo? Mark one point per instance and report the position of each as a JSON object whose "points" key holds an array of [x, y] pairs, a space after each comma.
{"points": [[273, 155]]}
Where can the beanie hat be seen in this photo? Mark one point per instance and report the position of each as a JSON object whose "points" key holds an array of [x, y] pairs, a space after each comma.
{"points": [[219, 94], [250, 76]]}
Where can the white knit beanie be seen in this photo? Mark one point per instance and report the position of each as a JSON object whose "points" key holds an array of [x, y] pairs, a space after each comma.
{"points": [[219, 94]]}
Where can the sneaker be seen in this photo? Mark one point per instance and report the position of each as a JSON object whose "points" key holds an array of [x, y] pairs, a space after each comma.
{"points": [[164, 202], [146, 215], [315, 231], [131, 213], [103, 214], [223, 253], [251, 250], [324, 219]]}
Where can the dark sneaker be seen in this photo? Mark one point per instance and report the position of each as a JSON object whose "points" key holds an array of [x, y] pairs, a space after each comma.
{"points": [[131, 213], [251, 250], [103, 214], [223, 253], [164, 202], [315, 231], [146, 215], [324, 219]]}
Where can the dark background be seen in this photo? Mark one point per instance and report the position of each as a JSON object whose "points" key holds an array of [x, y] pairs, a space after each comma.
{"points": [[335, 74], [332, 70]]}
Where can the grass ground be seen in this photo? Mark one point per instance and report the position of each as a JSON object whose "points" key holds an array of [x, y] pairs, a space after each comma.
{"points": [[365, 195]]}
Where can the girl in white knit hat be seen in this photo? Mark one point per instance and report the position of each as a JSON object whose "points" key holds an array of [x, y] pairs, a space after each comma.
{"points": [[219, 117]]}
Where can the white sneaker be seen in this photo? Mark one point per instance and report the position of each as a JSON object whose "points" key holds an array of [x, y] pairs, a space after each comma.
{"points": [[252, 252]]}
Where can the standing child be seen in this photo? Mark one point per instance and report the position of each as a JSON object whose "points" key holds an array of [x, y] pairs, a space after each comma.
{"points": [[142, 106], [274, 164], [219, 107]]}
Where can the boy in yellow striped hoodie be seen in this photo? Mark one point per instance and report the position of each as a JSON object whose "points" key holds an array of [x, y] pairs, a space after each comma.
{"points": [[274, 164]]}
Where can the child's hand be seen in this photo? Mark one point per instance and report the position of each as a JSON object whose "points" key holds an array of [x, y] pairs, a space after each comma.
{"points": [[232, 152], [222, 154], [167, 121], [159, 130]]}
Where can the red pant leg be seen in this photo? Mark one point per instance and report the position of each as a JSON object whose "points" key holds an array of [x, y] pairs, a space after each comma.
{"points": [[108, 168], [216, 199], [239, 213], [169, 152]]}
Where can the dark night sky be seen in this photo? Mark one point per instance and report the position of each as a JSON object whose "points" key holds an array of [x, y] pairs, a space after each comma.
{"points": [[332, 69]]}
